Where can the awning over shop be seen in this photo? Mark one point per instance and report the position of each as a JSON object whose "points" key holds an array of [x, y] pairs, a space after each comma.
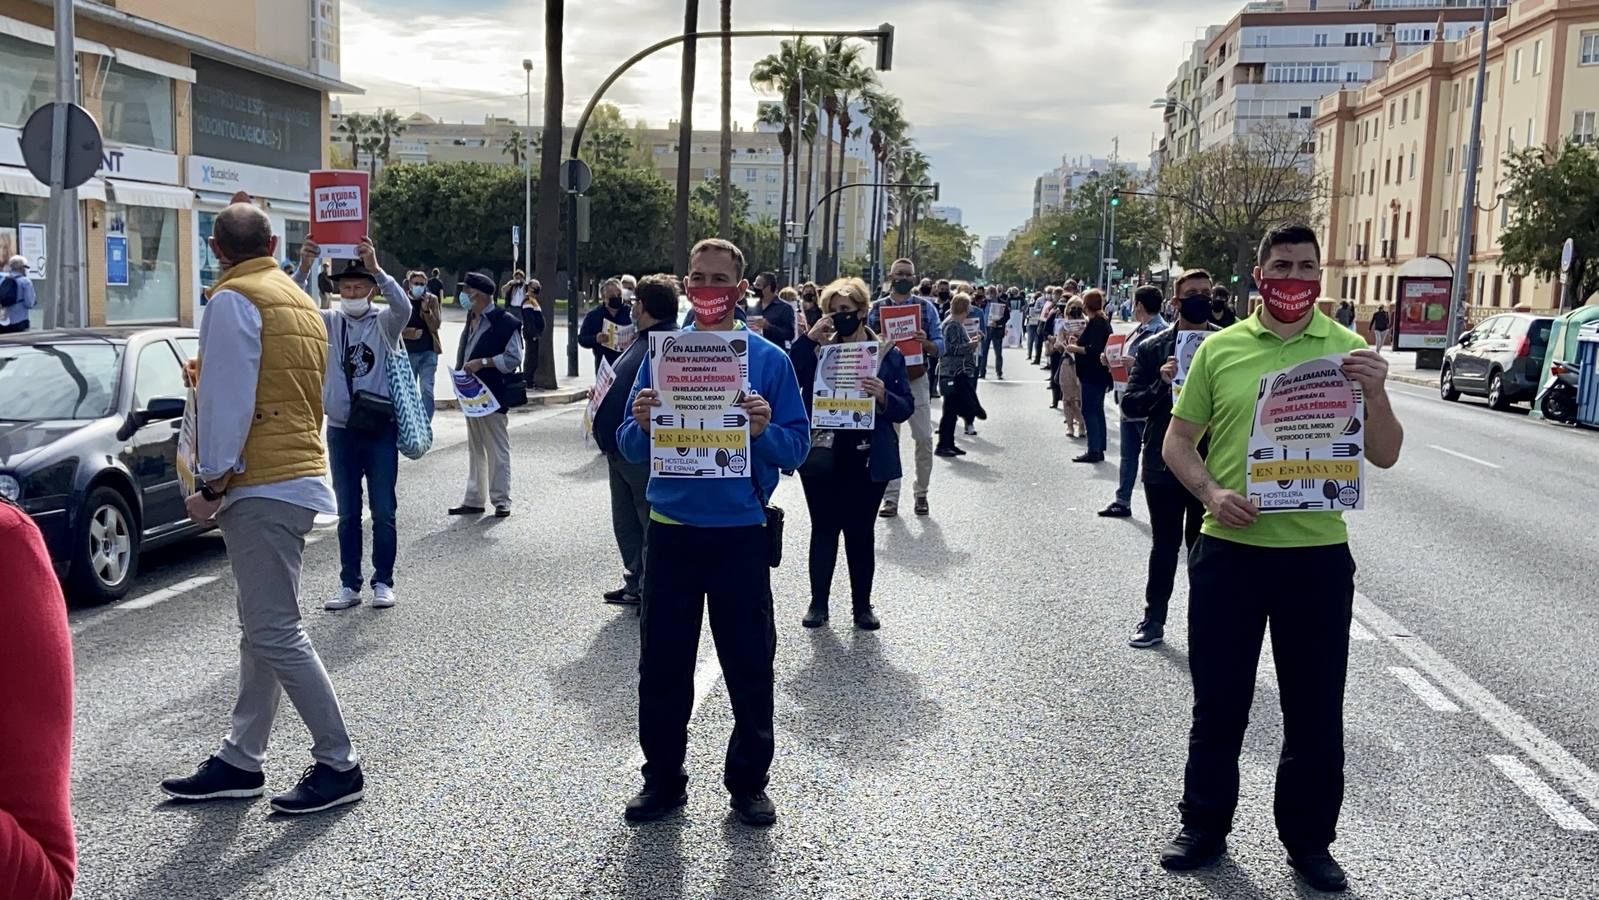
{"points": [[93, 189], [162, 196], [19, 182], [34, 34], [154, 66]]}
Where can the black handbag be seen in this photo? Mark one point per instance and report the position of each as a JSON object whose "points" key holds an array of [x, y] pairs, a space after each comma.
{"points": [[369, 413], [514, 389], [820, 460]]}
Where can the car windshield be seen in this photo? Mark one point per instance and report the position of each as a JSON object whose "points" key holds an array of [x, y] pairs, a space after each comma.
{"points": [[1539, 334], [40, 382]]}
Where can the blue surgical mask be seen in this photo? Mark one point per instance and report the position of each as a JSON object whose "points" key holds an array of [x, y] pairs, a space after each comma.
{"points": [[417, 290]]}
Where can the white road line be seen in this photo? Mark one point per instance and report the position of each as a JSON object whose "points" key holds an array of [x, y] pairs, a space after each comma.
{"points": [[1359, 632], [1542, 794], [167, 593], [1458, 454], [1544, 750], [1423, 688]]}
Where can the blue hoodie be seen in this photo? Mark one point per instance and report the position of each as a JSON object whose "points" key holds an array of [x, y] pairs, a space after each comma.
{"points": [[731, 502]]}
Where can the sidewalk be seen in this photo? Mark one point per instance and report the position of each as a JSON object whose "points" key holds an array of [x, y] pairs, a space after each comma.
{"points": [[569, 390]]}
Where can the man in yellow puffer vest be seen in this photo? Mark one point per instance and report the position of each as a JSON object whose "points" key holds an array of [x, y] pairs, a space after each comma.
{"points": [[264, 478]]}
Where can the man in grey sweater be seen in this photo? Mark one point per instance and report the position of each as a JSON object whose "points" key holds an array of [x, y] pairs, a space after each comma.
{"points": [[361, 339]]}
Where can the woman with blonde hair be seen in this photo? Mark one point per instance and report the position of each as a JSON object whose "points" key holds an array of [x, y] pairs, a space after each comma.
{"points": [[848, 470], [1088, 352], [1070, 388]]}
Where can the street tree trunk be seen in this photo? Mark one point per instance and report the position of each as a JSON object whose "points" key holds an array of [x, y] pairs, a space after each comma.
{"points": [[810, 200], [835, 248], [547, 250], [827, 204], [685, 139], [725, 201]]}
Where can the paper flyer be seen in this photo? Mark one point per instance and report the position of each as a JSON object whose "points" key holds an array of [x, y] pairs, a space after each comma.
{"points": [[473, 395], [699, 430], [339, 203], [974, 329], [1118, 361], [837, 399], [618, 337], [603, 380], [1187, 345], [1307, 441], [1074, 328], [900, 324], [1014, 329], [996, 314]]}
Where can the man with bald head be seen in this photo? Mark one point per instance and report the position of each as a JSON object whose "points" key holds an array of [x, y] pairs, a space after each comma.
{"points": [[263, 478]]}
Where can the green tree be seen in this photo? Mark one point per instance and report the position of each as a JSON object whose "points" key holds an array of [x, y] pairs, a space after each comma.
{"points": [[709, 193], [607, 143], [456, 216], [354, 127], [939, 248], [630, 219], [387, 126], [1554, 195], [515, 147]]}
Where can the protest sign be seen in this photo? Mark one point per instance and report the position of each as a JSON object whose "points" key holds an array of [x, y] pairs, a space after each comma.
{"points": [[1118, 361], [603, 380], [900, 324], [1074, 328], [1014, 329], [1187, 345], [473, 395], [837, 399], [339, 203], [699, 430], [618, 337], [974, 329], [1307, 440]]}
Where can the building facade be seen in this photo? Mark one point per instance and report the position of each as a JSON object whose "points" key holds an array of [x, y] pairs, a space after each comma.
{"points": [[950, 214], [1394, 152], [195, 101]]}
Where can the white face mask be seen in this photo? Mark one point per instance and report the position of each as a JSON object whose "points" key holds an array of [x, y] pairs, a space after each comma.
{"points": [[355, 309]]}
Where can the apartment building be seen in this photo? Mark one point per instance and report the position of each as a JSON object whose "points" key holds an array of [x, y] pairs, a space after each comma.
{"points": [[950, 214], [195, 101], [1185, 104], [1394, 151], [1053, 190]]}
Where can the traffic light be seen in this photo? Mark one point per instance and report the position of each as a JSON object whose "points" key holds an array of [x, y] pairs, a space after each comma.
{"points": [[1054, 242], [1116, 198], [1035, 252], [1235, 279]]}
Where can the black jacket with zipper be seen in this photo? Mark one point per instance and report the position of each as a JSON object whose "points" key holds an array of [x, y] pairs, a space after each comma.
{"points": [[1149, 397]]}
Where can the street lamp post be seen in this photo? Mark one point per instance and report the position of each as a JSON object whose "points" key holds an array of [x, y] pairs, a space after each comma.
{"points": [[1468, 204], [527, 175]]}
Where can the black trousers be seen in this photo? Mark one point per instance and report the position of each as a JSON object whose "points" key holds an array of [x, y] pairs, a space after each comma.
{"points": [[843, 503], [691, 569], [1055, 360], [1174, 519], [1305, 595]]}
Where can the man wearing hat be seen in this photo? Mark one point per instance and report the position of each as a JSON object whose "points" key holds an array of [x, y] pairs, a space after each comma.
{"points": [[16, 296], [363, 439], [491, 349]]}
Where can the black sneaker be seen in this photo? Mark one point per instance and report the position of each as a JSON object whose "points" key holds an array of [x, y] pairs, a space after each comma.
{"points": [[614, 596], [622, 597], [651, 804], [1148, 635], [321, 787], [958, 451], [1117, 510], [921, 506], [1319, 870], [466, 510], [816, 615], [1192, 849], [755, 810], [502, 512], [947, 452], [1089, 458], [216, 780]]}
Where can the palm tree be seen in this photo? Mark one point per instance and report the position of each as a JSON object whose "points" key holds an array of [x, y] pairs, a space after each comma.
{"points": [[774, 116], [725, 200], [685, 138], [548, 223], [787, 72], [354, 127], [387, 126], [848, 78], [515, 147], [887, 126], [373, 145]]}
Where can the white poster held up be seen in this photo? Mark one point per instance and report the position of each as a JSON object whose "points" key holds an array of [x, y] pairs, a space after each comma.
{"points": [[837, 399], [1187, 345], [1307, 440], [473, 395], [699, 430], [603, 381]]}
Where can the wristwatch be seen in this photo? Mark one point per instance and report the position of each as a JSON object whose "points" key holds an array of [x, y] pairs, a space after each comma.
{"points": [[210, 495]]}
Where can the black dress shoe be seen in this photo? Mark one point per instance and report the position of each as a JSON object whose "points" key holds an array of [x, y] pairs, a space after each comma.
{"points": [[1089, 458], [1319, 870], [816, 615], [945, 452], [755, 810], [467, 511], [921, 506], [958, 451], [865, 619], [651, 804], [1192, 849], [502, 512], [614, 596]]}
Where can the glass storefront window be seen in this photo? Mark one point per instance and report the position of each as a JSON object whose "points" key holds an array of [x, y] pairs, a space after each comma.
{"points": [[16, 211], [151, 294], [295, 231], [210, 266], [27, 79], [137, 108]]}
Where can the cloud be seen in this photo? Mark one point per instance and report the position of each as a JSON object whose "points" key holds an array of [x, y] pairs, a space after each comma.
{"points": [[997, 90]]}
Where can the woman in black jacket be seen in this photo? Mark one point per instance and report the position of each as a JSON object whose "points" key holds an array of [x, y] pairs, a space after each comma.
{"points": [[1088, 354]]}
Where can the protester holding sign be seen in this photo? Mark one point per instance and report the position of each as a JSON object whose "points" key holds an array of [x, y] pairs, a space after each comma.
{"points": [[602, 329], [1088, 352], [850, 464], [712, 542], [490, 352], [1147, 301], [917, 336], [1292, 572], [655, 310], [1068, 389], [957, 370]]}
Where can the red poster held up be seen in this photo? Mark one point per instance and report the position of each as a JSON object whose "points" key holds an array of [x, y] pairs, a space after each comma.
{"points": [[339, 203], [900, 324]]}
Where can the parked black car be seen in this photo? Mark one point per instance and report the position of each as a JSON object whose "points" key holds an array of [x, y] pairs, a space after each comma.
{"points": [[89, 425], [1501, 359]]}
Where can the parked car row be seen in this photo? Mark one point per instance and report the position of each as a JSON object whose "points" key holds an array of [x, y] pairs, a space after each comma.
{"points": [[1501, 359]]}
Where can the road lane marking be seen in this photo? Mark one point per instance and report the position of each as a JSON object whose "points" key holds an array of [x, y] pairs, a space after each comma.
{"points": [[1359, 632], [167, 593], [1544, 750], [1542, 794], [1423, 688], [1459, 455]]}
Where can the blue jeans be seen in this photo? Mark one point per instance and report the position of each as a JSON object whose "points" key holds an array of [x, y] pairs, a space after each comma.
{"points": [[1094, 415], [355, 456], [998, 343], [425, 363], [1132, 454]]}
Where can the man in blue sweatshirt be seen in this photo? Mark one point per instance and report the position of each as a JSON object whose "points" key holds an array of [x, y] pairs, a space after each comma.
{"points": [[707, 545]]}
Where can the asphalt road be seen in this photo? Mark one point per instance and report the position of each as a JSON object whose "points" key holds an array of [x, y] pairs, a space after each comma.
{"points": [[996, 739]]}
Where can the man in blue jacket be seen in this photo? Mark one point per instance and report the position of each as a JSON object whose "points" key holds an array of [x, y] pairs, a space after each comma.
{"points": [[707, 544], [602, 323]]}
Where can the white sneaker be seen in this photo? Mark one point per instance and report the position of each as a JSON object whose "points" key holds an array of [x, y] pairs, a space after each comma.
{"points": [[347, 598], [382, 596]]}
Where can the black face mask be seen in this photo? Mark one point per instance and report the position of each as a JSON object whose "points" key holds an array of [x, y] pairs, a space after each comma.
{"points": [[1219, 305], [944, 296], [614, 302], [927, 291], [903, 286], [1195, 310], [847, 323]]}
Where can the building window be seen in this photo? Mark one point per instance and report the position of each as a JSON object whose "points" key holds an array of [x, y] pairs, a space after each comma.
{"points": [[137, 108], [1404, 110], [771, 198], [1510, 140], [709, 173], [1449, 160], [750, 175], [1260, 40], [1412, 165], [151, 294], [1387, 170], [1582, 126], [28, 72], [1515, 66], [771, 176], [1537, 57], [1446, 223], [1418, 103], [1590, 48], [1320, 40], [1407, 224], [1454, 97], [1392, 108]]}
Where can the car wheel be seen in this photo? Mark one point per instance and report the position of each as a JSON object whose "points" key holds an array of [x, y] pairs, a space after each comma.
{"points": [[105, 555], [1446, 385], [1496, 392]]}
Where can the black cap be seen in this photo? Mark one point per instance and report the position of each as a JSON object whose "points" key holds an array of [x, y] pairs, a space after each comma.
{"points": [[477, 281], [355, 269]]}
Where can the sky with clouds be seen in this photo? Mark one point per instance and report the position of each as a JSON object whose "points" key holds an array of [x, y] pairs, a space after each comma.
{"points": [[997, 91]]}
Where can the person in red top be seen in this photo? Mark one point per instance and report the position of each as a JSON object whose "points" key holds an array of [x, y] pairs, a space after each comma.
{"points": [[38, 854]]}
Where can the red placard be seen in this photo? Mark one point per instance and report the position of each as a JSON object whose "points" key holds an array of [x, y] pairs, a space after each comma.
{"points": [[900, 324], [1120, 364], [339, 204]]}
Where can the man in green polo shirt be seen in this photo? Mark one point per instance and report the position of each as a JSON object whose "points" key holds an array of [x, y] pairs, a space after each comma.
{"points": [[1292, 571]]}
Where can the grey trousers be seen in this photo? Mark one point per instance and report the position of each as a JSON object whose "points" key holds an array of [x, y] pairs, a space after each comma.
{"points": [[922, 434], [630, 517], [266, 542], [488, 451]]}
